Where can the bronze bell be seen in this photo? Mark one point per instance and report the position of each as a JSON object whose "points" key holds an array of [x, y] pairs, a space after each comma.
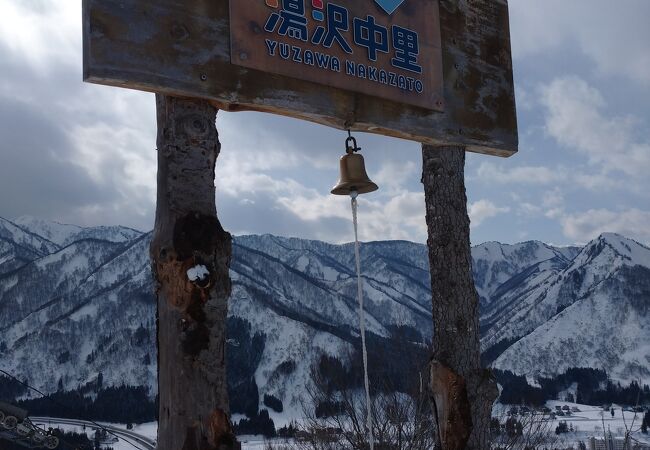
{"points": [[353, 172]]}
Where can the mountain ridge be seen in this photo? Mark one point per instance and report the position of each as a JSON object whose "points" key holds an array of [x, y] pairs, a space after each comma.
{"points": [[80, 308]]}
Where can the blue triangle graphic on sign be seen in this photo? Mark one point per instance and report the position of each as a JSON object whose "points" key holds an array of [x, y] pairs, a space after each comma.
{"points": [[389, 5]]}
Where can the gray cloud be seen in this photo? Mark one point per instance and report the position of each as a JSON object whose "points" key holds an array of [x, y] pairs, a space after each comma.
{"points": [[261, 214], [36, 176], [613, 34], [85, 154]]}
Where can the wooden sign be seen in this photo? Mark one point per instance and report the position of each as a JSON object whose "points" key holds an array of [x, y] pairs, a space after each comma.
{"points": [[184, 48], [354, 45]]}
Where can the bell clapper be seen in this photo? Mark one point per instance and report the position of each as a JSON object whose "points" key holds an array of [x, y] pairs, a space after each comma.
{"points": [[354, 181]]}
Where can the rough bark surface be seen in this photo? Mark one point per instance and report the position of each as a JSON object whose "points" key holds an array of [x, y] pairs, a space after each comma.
{"points": [[194, 412], [463, 391], [452, 406]]}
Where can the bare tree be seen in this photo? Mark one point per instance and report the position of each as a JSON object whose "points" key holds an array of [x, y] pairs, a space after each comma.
{"points": [[530, 431], [633, 426], [335, 416]]}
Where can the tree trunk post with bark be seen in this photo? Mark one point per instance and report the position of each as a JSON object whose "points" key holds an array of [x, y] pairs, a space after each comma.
{"points": [[190, 253], [463, 392]]}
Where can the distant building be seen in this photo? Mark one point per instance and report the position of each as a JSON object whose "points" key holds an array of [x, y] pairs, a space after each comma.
{"points": [[613, 443]]}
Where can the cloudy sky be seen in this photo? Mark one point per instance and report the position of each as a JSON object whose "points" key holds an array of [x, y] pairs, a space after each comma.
{"points": [[85, 154]]}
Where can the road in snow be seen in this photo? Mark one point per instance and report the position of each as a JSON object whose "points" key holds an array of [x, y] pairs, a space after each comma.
{"points": [[143, 435], [140, 435]]}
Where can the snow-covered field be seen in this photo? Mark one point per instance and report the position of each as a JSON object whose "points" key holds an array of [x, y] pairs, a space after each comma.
{"points": [[258, 442], [585, 422], [590, 421]]}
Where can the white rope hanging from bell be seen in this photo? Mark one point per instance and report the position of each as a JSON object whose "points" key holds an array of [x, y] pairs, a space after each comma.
{"points": [[362, 320], [353, 181]]}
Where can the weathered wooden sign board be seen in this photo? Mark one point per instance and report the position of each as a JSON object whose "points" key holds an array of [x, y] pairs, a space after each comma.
{"points": [[218, 50], [351, 44]]}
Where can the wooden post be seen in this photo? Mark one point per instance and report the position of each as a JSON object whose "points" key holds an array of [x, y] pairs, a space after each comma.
{"points": [[191, 254], [463, 391]]}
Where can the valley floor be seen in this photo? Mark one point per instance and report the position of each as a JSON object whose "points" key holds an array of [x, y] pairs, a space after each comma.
{"points": [[589, 422]]}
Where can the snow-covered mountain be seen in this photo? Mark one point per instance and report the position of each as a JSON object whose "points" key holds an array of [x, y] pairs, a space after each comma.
{"points": [[592, 313], [64, 234], [19, 246], [75, 302], [494, 263], [301, 295]]}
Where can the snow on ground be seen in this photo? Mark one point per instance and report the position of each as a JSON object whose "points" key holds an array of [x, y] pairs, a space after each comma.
{"points": [[90, 432], [590, 421], [148, 430], [252, 442], [258, 442]]}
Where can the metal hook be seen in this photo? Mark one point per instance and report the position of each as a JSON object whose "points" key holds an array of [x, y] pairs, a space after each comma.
{"points": [[351, 144]]}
